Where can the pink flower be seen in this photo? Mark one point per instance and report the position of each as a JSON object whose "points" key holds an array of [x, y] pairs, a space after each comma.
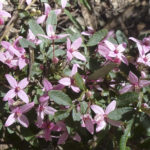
{"points": [[17, 115], [3, 14], [8, 59], [43, 109], [143, 46], [63, 3], [101, 116], [88, 123], [115, 52], [43, 18], [135, 83], [47, 128], [31, 37], [69, 81], [90, 32], [51, 34], [16, 89], [72, 49]]}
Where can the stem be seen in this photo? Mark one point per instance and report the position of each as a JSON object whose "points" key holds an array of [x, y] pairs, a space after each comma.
{"points": [[53, 43]]}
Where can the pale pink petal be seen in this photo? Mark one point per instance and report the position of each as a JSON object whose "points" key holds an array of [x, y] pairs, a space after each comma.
{"points": [[63, 3], [63, 138], [21, 63], [5, 44], [47, 85], [69, 56], [45, 36], [47, 9], [23, 96], [41, 19], [23, 120], [10, 120], [124, 60], [50, 30], [28, 2], [133, 78], [11, 80], [101, 125], [78, 55], [121, 48], [25, 108], [23, 83], [111, 107], [77, 137], [57, 11], [60, 36], [65, 81], [110, 45], [14, 51], [9, 95], [49, 110], [68, 44], [144, 83], [74, 69], [97, 109], [75, 89], [5, 14], [126, 89], [76, 44], [89, 125]]}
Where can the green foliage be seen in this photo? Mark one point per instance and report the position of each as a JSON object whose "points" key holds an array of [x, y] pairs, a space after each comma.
{"points": [[125, 136], [60, 98], [97, 37], [61, 115]]}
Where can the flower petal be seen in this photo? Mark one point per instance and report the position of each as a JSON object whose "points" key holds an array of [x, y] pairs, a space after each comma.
{"points": [[76, 44], [111, 107], [100, 126], [97, 109], [23, 96], [47, 85], [23, 83], [78, 55], [25, 108], [65, 81], [133, 78], [9, 95], [23, 120], [10, 120], [11, 80]]}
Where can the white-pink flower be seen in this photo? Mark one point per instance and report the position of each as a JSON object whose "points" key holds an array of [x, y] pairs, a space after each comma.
{"points": [[69, 81], [72, 49], [101, 118], [136, 83], [17, 115], [16, 89], [3, 14]]}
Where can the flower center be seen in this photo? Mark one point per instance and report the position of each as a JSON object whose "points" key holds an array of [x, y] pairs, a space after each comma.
{"points": [[116, 51], [145, 59], [17, 89], [8, 61]]}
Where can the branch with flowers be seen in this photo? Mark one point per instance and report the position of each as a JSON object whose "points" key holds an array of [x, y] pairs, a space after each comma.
{"points": [[88, 88]]}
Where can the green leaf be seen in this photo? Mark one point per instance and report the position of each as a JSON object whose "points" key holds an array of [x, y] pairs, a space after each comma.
{"points": [[76, 115], [102, 72], [37, 29], [58, 52], [73, 19], [125, 136], [79, 81], [60, 97], [25, 43], [121, 38], [118, 113], [127, 98], [61, 115], [97, 37], [83, 107], [52, 19]]}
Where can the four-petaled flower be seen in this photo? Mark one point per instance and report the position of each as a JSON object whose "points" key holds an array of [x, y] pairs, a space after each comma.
{"points": [[16, 89], [17, 115], [101, 117], [72, 49], [135, 83]]}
